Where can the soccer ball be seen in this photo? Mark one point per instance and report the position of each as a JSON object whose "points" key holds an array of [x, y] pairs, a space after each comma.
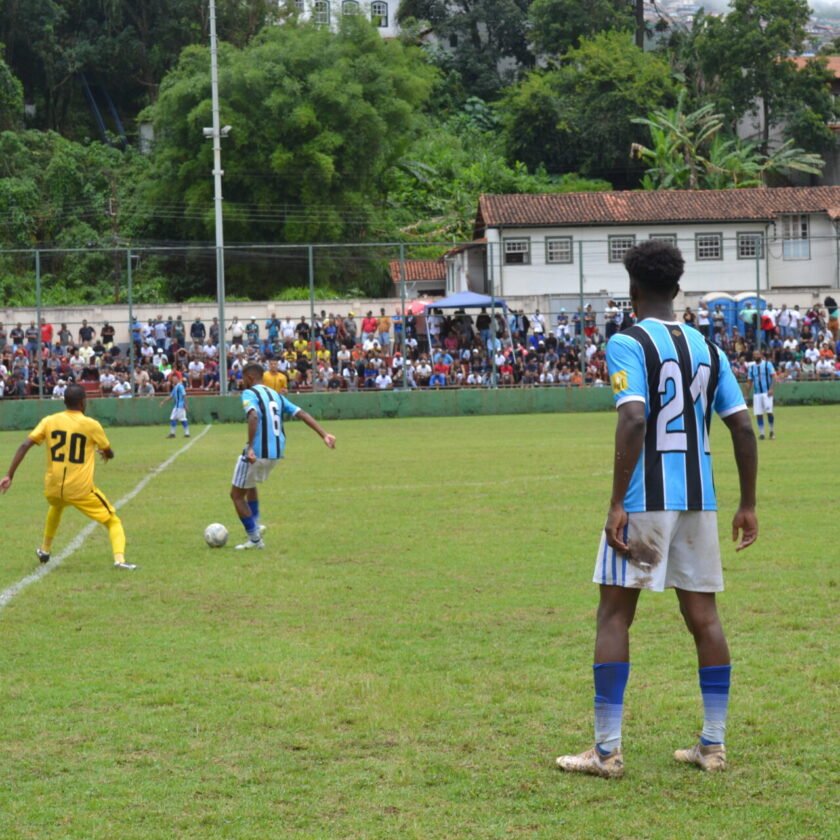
{"points": [[215, 535]]}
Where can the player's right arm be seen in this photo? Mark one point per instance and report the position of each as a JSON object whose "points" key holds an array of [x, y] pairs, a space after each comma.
{"points": [[20, 454]]}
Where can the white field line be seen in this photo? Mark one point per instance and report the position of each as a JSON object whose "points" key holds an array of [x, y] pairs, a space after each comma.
{"points": [[79, 540]]}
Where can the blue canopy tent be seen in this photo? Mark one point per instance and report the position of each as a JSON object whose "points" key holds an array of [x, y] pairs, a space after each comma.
{"points": [[466, 300]]}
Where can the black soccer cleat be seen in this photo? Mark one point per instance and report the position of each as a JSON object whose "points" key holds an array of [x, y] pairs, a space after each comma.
{"points": [[43, 556]]}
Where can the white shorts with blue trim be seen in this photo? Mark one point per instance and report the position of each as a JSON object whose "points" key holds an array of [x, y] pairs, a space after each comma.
{"points": [[762, 404], [178, 415], [669, 549], [246, 476]]}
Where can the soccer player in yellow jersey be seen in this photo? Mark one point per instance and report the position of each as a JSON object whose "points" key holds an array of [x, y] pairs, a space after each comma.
{"points": [[72, 443]]}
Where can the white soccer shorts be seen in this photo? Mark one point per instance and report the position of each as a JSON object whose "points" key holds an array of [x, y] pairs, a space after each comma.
{"points": [[669, 549], [762, 404], [246, 476], [178, 415]]}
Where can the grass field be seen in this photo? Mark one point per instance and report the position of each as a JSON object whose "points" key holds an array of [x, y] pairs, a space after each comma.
{"points": [[412, 650]]}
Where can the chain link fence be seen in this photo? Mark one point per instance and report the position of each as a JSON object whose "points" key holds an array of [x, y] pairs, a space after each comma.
{"points": [[541, 313]]}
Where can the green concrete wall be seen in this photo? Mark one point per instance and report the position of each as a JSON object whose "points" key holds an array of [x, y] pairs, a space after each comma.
{"points": [[24, 414]]}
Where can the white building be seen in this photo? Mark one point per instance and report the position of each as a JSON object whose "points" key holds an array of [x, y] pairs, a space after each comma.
{"points": [[732, 240], [382, 13]]}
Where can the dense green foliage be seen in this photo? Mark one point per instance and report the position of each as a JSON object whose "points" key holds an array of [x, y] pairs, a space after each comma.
{"points": [[689, 151], [579, 115], [338, 135], [124, 45]]}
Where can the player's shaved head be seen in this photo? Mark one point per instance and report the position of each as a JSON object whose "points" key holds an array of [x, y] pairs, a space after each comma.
{"points": [[655, 266], [74, 397], [253, 370]]}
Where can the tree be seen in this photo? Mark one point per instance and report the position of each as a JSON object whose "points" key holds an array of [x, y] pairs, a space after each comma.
{"points": [[57, 193], [435, 192], [319, 118], [690, 151], [743, 55], [11, 97], [484, 42], [578, 117], [559, 25], [123, 45]]}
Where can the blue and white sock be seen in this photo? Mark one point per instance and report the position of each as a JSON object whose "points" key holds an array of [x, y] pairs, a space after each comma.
{"points": [[714, 686], [254, 505], [251, 528], [760, 421], [610, 682]]}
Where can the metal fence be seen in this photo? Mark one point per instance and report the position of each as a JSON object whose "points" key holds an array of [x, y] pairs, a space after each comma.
{"points": [[576, 306]]}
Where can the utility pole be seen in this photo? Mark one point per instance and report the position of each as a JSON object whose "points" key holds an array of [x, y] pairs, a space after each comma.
{"points": [[216, 133]]}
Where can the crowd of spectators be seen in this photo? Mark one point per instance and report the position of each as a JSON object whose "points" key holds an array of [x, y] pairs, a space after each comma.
{"points": [[379, 352]]}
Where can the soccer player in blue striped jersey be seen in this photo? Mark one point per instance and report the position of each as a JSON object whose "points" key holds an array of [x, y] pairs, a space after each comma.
{"points": [[178, 397], [265, 410], [761, 377], [661, 529]]}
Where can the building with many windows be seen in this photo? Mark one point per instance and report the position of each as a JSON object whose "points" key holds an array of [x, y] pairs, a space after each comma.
{"points": [[382, 13], [732, 240]]}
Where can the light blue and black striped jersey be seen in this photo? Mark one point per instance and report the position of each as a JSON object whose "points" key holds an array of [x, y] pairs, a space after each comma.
{"points": [[270, 408], [761, 375], [681, 378], [178, 395]]}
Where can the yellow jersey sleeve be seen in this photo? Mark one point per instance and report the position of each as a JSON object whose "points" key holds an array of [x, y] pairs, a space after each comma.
{"points": [[39, 433]]}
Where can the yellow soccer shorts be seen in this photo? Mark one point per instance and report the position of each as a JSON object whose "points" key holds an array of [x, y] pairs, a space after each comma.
{"points": [[95, 505]]}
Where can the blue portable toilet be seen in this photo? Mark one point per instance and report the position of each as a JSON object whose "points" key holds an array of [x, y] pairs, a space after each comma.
{"points": [[749, 299], [727, 305]]}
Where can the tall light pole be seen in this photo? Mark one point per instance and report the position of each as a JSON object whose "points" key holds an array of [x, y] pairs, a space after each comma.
{"points": [[216, 132]]}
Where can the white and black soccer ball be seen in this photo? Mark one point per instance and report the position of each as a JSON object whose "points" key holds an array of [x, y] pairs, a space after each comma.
{"points": [[215, 535]]}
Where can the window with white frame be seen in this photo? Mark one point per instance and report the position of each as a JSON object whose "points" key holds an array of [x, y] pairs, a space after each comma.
{"points": [[350, 7], [618, 246], [670, 238], [299, 5], [708, 246], [558, 249], [379, 14], [750, 246], [518, 251], [321, 12], [796, 244]]}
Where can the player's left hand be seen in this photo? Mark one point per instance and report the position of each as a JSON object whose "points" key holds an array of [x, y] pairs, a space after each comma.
{"points": [[329, 440], [251, 456], [614, 529], [5, 483], [746, 523]]}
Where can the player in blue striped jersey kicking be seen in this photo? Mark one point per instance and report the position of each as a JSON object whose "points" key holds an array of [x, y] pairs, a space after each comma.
{"points": [[265, 410], [661, 530], [761, 377]]}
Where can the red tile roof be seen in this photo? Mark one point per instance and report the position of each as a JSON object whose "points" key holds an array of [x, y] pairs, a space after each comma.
{"points": [[419, 270], [832, 62], [647, 207]]}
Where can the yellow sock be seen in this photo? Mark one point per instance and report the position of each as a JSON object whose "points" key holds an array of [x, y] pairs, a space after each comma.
{"points": [[116, 535]]}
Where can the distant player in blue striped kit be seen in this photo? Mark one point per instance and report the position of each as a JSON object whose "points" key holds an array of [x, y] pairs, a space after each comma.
{"points": [[178, 396], [265, 410], [661, 530], [761, 378]]}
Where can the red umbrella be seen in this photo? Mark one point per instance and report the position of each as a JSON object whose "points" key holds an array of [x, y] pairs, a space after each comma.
{"points": [[417, 307]]}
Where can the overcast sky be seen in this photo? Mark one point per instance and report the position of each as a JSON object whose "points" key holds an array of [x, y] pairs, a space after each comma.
{"points": [[820, 7]]}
